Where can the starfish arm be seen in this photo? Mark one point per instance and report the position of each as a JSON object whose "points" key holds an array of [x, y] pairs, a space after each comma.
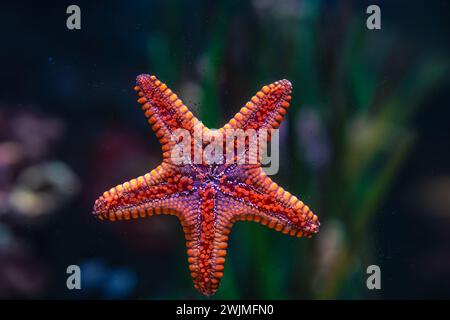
{"points": [[265, 110], [206, 232], [160, 191], [166, 113], [261, 200]]}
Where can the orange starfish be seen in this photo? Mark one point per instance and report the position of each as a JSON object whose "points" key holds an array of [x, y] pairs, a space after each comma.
{"points": [[208, 198]]}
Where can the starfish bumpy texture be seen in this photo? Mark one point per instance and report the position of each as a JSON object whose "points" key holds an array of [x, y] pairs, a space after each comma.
{"points": [[208, 198]]}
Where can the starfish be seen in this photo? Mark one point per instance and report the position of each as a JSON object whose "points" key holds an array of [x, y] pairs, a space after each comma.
{"points": [[208, 198]]}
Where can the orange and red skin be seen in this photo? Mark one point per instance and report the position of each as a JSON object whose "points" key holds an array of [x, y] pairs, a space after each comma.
{"points": [[208, 199]]}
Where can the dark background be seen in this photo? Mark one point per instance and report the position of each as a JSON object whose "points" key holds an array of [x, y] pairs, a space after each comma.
{"points": [[365, 144]]}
